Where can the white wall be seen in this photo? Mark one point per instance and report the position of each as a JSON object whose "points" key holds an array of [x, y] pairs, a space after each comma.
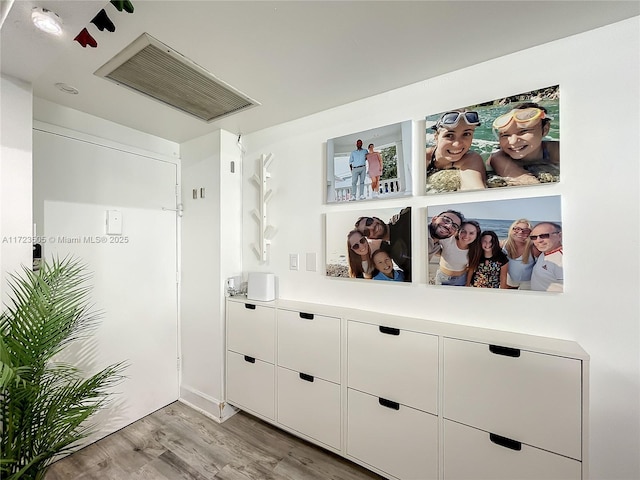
{"points": [[598, 75], [211, 252], [15, 178]]}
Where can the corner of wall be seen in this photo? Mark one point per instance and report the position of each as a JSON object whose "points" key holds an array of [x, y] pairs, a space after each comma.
{"points": [[211, 407], [15, 178]]}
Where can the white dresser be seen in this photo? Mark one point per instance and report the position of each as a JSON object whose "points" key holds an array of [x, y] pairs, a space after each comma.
{"points": [[409, 398]]}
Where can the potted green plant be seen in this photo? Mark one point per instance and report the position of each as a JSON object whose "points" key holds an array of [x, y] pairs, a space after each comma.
{"points": [[45, 404]]}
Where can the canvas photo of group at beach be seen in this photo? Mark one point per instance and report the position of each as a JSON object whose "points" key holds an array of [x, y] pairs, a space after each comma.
{"points": [[509, 244], [370, 245], [370, 165], [506, 142]]}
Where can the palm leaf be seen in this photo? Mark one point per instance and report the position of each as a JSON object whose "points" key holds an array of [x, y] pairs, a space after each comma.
{"points": [[46, 405], [8, 373]]}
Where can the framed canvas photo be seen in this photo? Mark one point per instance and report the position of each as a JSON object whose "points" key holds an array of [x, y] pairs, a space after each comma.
{"points": [[369, 244], [370, 165], [509, 244], [506, 142]]}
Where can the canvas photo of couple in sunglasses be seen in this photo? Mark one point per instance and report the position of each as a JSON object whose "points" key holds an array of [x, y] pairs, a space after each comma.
{"points": [[511, 141], [370, 244]]}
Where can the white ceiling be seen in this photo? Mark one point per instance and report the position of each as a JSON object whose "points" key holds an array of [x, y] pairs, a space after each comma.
{"points": [[294, 57]]}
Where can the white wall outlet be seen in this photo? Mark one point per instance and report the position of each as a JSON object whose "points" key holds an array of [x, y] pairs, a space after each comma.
{"points": [[294, 260]]}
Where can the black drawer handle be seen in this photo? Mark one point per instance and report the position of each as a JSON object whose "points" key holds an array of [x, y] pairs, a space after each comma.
{"points": [[249, 306], [306, 378], [389, 330], [506, 351], [249, 359], [389, 403], [505, 442], [306, 316]]}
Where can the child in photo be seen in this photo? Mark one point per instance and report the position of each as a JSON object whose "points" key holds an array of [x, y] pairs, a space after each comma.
{"points": [[384, 264], [457, 253], [490, 269], [525, 157]]}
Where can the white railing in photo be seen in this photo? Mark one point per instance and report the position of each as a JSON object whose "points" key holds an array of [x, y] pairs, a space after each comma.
{"points": [[388, 187]]}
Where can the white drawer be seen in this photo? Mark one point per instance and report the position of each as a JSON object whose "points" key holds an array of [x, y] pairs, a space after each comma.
{"points": [[251, 330], [251, 384], [530, 397], [310, 406], [309, 343], [402, 443], [397, 364], [472, 453]]}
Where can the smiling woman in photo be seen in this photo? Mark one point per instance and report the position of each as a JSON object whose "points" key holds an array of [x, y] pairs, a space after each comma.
{"points": [[521, 254], [360, 262], [451, 153]]}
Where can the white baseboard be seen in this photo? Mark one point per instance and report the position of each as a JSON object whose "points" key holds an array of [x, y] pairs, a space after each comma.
{"points": [[206, 404]]}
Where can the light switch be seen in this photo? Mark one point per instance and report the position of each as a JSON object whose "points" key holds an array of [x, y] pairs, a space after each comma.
{"points": [[114, 222], [293, 261]]}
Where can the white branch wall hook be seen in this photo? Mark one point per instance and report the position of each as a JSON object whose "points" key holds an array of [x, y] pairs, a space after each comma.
{"points": [[260, 214]]}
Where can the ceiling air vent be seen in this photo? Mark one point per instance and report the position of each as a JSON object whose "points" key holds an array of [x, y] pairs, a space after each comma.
{"points": [[152, 68]]}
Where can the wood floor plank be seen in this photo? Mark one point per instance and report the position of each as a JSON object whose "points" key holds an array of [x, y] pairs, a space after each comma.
{"points": [[215, 446], [172, 467], [89, 458], [305, 461], [260, 434], [247, 471], [179, 443], [107, 470]]}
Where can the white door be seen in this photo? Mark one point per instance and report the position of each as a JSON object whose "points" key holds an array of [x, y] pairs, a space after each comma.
{"points": [[134, 273]]}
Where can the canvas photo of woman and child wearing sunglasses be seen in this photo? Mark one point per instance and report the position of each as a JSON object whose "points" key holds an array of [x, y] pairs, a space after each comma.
{"points": [[512, 141]]}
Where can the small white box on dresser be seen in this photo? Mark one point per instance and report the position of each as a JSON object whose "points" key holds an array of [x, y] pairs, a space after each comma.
{"points": [[261, 286]]}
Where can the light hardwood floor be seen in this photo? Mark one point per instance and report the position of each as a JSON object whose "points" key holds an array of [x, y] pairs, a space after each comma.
{"points": [[179, 443]]}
